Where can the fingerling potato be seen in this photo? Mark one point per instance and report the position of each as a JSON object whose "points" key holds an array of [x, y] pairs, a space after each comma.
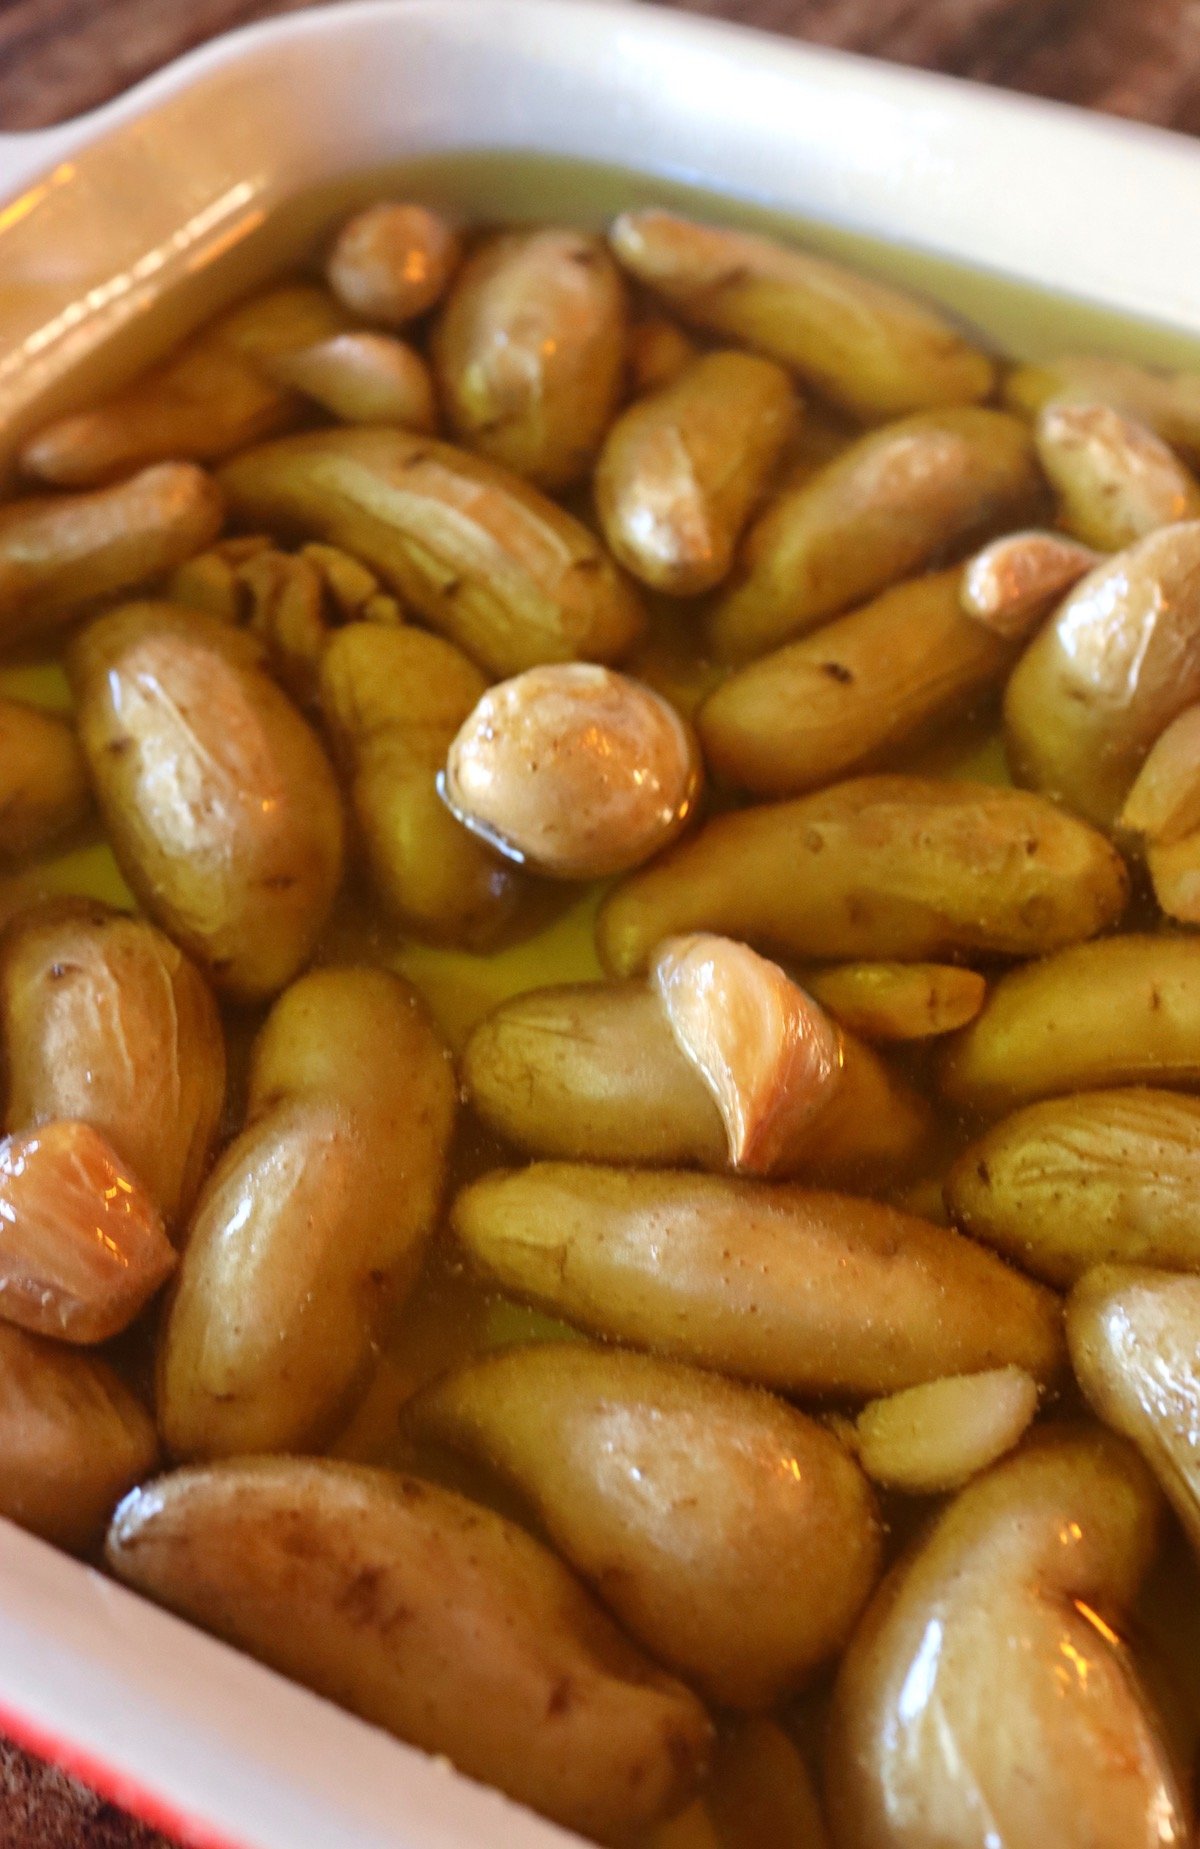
{"points": [[43, 778]]}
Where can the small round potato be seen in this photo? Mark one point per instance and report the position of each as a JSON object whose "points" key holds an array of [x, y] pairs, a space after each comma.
{"points": [[220, 804], [731, 1536], [430, 1616], [392, 262], [312, 1226], [73, 1440], [105, 1021], [43, 778], [1119, 661], [529, 351], [983, 1699], [803, 1291], [574, 771], [682, 470]]}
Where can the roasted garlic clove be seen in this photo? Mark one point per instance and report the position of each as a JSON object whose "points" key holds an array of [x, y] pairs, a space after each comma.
{"points": [[574, 771], [391, 262], [769, 1055], [82, 1247], [986, 1697], [898, 1001], [1169, 402], [363, 378], [429, 1616], [1164, 803], [1134, 1336], [731, 1536], [1016, 581], [1116, 480], [934, 1437]]}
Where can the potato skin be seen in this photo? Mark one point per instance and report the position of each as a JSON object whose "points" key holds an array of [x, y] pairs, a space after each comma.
{"points": [[73, 1440], [313, 1223], [873, 349], [502, 572], [60, 553], [883, 509], [219, 802], [592, 1071], [428, 1615], [733, 1537], [529, 351], [800, 1290], [1122, 1011], [876, 867], [43, 778], [1102, 680], [106, 1021], [393, 701], [682, 469], [836, 701], [1074, 1182], [953, 1695], [1134, 1335]]}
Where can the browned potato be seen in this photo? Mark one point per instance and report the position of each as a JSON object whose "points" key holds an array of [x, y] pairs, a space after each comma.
{"points": [[392, 262], [206, 400], [1135, 1346], [807, 1292], [219, 802], [503, 572], [105, 1021], [983, 1699], [838, 700], [313, 1223], [878, 867], [899, 1001], [881, 510], [1119, 661], [529, 351], [1124, 1011], [431, 1617], [60, 553], [592, 1071], [393, 700], [73, 1440], [43, 778], [1074, 1182], [82, 1247], [868, 346], [1116, 480], [732, 1537], [682, 470]]}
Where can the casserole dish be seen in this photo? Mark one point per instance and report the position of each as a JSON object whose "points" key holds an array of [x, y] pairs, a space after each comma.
{"points": [[122, 231]]}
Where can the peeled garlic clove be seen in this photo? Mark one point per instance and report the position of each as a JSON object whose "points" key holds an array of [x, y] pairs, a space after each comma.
{"points": [[82, 1247], [1116, 479], [1164, 803], [574, 770], [769, 1054], [391, 262], [363, 378], [931, 1438], [1013, 583]]}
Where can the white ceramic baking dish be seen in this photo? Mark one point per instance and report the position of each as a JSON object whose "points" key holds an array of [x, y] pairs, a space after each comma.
{"points": [[123, 228]]}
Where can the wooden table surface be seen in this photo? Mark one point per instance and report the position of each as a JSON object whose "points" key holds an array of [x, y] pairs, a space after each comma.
{"points": [[57, 57]]}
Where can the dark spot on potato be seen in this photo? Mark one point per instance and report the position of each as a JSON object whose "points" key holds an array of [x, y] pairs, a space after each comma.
{"points": [[838, 671], [562, 1696], [984, 1173]]}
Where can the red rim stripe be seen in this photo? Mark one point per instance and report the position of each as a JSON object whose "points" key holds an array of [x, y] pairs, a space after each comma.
{"points": [[117, 1787]]}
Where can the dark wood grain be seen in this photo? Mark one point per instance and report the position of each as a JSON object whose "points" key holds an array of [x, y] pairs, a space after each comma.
{"points": [[1138, 58]]}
